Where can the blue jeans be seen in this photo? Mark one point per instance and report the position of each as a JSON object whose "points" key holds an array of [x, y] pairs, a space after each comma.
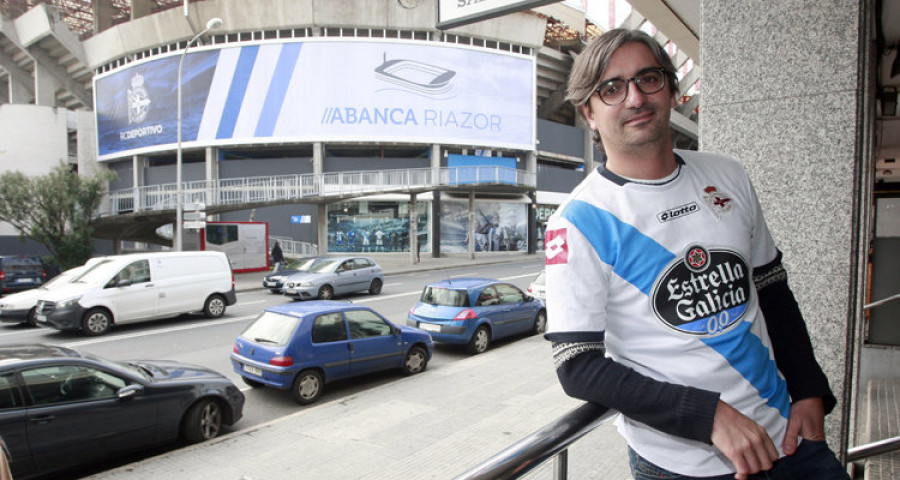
{"points": [[812, 460]]}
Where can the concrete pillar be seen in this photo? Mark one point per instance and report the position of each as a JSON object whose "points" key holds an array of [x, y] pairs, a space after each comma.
{"points": [[435, 164], [472, 225], [318, 159], [212, 178], [45, 86], [19, 92], [322, 227], [781, 94], [142, 8], [138, 171], [413, 230], [103, 14]]}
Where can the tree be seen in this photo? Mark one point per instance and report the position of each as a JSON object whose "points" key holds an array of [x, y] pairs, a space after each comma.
{"points": [[55, 210]]}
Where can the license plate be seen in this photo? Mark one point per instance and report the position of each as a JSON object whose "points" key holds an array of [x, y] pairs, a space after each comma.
{"points": [[41, 318], [25, 280], [270, 284], [254, 370], [428, 327]]}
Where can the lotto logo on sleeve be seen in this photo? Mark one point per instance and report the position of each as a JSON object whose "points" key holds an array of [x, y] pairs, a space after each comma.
{"points": [[556, 250]]}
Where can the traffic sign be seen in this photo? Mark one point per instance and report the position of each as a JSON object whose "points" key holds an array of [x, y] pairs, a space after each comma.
{"points": [[195, 225], [301, 219], [195, 216], [190, 207]]}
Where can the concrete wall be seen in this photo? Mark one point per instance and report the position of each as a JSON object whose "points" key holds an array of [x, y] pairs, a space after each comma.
{"points": [[171, 26], [780, 82]]}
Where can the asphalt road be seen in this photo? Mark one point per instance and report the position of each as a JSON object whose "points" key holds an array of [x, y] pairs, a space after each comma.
{"points": [[197, 340]]}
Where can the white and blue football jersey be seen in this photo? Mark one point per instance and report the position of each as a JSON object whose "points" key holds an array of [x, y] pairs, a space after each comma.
{"points": [[665, 270]]}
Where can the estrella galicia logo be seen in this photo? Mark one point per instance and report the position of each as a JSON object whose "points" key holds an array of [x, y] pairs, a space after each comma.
{"points": [[703, 293]]}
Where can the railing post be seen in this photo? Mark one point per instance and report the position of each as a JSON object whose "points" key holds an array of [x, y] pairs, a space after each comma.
{"points": [[561, 465]]}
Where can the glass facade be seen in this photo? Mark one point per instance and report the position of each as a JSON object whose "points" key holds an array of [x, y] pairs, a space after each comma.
{"points": [[499, 226], [376, 226]]}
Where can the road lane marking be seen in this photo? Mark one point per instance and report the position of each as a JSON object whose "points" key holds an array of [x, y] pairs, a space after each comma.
{"points": [[160, 331]]}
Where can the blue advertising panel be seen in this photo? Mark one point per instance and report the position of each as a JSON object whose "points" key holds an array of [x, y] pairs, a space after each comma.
{"points": [[320, 90]]}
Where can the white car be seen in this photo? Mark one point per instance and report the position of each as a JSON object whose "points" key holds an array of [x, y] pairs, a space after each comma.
{"points": [[538, 287], [20, 307]]}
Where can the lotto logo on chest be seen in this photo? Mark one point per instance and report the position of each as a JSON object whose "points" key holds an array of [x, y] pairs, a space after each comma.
{"points": [[704, 293]]}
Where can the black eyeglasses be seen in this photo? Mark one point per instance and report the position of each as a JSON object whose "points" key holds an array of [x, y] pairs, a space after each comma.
{"points": [[649, 81]]}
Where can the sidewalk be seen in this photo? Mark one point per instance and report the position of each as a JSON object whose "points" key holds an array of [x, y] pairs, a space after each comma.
{"points": [[435, 425]]}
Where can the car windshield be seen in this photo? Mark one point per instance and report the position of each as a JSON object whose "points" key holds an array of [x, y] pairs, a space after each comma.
{"points": [[99, 273], [271, 328], [324, 265], [301, 265], [445, 297], [539, 280]]}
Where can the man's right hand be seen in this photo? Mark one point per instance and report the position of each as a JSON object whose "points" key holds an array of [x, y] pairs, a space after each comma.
{"points": [[743, 441]]}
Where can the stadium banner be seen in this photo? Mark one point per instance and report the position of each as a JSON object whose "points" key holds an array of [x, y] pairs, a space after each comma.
{"points": [[325, 91]]}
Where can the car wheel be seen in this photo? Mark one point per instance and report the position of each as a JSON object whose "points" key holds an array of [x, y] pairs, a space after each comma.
{"points": [[214, 306], [326, 292], [31, 319], [307, 387], [480, 340], [96, 322], [416, 361], [540, 322], [252, 383], [202, 422], [375, 287]]}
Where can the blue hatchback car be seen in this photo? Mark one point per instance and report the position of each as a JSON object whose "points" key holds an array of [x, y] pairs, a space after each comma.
{"points": [[475, 311], [302, 346]]}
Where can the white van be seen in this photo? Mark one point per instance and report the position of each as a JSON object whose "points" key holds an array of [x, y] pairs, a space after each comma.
{"points": [[140, 286]]}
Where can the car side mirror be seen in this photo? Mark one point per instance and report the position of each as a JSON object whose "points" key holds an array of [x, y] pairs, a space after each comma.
{"points": [[395, 331], [129, 391]]}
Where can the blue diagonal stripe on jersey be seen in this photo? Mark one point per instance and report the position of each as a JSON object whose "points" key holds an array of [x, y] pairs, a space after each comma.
{"points": [[237, 91], [268, 117], [745, 352], [639, 264]]}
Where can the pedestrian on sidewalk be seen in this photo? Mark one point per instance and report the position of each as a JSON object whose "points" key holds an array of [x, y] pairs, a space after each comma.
{"points": [[277, 257], [667, 298]]}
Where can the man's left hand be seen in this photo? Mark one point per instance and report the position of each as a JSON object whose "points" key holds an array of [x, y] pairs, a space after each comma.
{"points": [[807, 420]]}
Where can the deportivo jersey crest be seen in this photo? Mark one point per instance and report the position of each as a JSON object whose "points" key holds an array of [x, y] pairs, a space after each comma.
{"points": [[703, 293]]}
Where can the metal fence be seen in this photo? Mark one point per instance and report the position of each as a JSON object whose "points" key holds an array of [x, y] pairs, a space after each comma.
{"points": [[254, 190]]}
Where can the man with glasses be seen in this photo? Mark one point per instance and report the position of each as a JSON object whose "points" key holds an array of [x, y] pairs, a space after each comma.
{"points": [[666, 296]]}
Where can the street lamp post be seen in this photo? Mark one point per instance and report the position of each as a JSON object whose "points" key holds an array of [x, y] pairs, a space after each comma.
{"points": [[179, 201]]}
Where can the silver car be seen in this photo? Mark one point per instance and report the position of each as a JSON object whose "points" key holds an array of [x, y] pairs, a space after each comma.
{"points": [[538, 287], [330, 276]]}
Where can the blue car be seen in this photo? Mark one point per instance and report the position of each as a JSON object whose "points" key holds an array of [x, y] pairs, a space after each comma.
{"points": [[476, 311], [302, 346]]}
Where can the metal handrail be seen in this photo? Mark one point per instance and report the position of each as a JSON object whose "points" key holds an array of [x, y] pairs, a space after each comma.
{"points": [[554, 439], [550, 441], [234, 191]]}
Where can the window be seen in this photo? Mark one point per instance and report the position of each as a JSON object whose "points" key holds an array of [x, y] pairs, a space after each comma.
{"points": [[273, 328], [70, 383], [445, 297], [509, 294], [365, 324], [136, 272], [488, 297], [329, 327], [9, 395]]}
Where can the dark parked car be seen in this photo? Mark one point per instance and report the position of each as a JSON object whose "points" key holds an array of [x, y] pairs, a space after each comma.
{"points": [[302, 346], [330, 276], [476, 311], [61, 408], [21, 272]]}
